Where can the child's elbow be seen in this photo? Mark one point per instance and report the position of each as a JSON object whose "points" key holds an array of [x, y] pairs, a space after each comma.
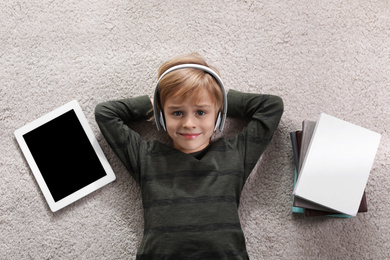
{"points": [[278, 104], [98, 109], [101, 111]]}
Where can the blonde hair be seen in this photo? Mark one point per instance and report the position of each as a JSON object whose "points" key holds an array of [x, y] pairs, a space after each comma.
{"points": [[188, 81]]}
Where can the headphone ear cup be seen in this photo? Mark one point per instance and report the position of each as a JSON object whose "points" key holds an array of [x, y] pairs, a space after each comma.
{"points": [[162, 120], [218, 121]]}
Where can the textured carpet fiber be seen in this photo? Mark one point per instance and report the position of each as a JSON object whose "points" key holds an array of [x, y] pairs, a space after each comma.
{"points": [[319, 56]]}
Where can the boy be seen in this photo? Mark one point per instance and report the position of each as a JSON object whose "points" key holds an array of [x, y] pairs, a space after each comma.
{"points": [[191, 191]]}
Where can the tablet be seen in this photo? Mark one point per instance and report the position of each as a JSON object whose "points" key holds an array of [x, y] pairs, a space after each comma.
{"points": [[64, 155]]}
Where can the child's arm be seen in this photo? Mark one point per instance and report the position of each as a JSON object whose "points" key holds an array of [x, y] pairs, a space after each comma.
{"points": [[112, 118], [265, 112]]}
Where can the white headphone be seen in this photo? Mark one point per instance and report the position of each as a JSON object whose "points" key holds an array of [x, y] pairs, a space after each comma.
{"points": [[159, 117]]}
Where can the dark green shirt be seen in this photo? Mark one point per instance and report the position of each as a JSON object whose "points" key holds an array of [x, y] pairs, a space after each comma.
{"points": [[191, 203]]}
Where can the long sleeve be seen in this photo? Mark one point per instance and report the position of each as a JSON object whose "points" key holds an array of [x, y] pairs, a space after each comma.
{"points": [[265, 112], [112, 118]]}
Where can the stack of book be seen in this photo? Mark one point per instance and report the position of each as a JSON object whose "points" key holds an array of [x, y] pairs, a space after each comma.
{"points": [[333, 159]]}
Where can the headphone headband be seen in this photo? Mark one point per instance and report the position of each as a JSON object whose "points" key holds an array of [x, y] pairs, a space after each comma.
{"points": [[160, 122]]}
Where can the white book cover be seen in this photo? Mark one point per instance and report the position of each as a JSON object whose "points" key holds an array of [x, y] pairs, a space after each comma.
{"points": [[337, 165]]}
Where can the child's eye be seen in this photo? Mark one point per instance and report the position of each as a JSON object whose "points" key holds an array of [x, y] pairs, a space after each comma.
{"points": [[177, 113], [200, 113]]}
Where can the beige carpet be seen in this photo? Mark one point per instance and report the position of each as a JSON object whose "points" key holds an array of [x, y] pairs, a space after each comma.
{"points": [[320, 56]]}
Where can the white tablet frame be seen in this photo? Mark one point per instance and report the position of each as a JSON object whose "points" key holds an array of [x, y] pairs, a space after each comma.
{"points": [[110, 176]]}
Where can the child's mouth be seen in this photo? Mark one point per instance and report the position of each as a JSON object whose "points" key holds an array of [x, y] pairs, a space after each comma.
{"points": [[189, 136]]}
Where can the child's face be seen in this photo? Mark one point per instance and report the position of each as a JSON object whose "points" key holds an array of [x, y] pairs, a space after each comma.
{"points": [[190, 123]]}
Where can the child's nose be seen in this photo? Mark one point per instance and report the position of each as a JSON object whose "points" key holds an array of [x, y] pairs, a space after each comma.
{"points": [[189, 122]]}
